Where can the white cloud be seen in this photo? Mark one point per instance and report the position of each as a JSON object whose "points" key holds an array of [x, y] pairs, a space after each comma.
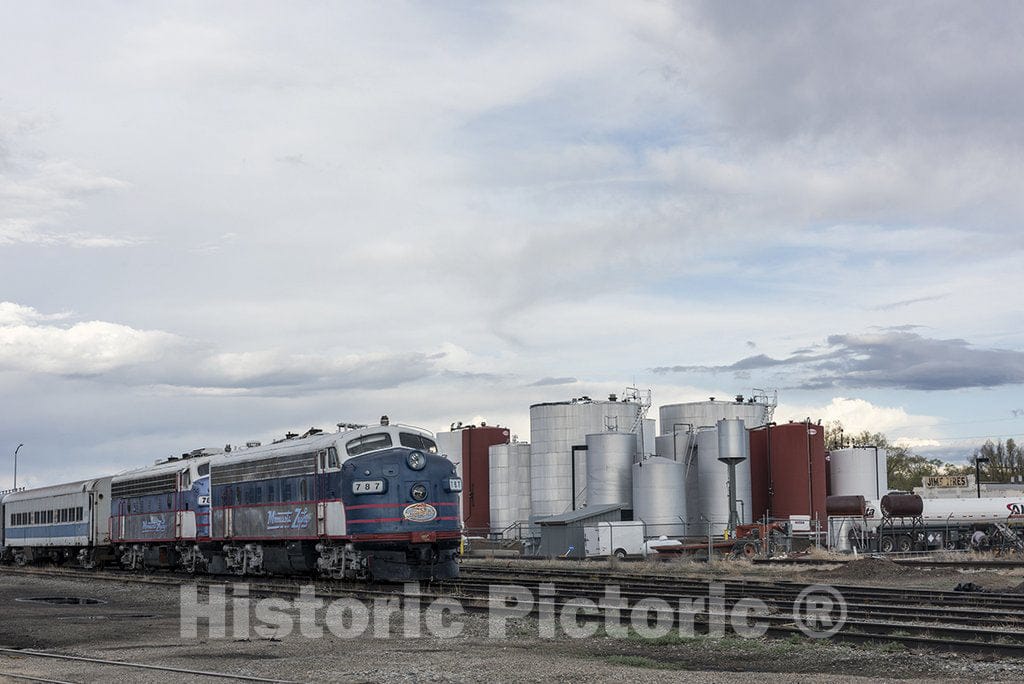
{"points": [[858, 415], [29, 343], [40, 197], [40, 343]]}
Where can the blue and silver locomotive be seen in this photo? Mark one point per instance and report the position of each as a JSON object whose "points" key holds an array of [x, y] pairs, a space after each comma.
{"points": [[372, 502]]}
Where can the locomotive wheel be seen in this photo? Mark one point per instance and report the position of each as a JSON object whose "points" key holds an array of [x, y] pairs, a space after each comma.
{"points": [[904, 544], [887, 545]]}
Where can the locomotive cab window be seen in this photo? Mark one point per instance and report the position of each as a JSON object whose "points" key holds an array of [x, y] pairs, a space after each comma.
{"points": [[203, 470], [360, 445], [415, 441]]}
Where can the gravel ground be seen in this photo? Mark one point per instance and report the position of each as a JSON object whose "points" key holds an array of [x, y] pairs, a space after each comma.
{"points": [[141, 624]]}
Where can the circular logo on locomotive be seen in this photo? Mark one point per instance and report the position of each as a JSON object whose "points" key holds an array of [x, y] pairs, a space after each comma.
{"points": [[419, 512]]}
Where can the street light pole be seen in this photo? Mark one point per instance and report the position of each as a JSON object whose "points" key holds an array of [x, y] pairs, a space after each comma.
{"points": [[977, 472], [16, 465]]}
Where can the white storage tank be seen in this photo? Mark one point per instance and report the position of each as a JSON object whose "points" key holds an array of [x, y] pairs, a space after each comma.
{"points": [[698, 414], [658, 496], [713, 485], [682, 448], [610, 457], [509, 480], [859, 471], [554, 429], [648, 438]]}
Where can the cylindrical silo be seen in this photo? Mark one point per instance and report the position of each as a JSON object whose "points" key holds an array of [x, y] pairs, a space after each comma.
{"points": [[658, 496], [733, 440], [682, 448], [558, 478], [713, 484], [509, 466], [675, 446], [648, 433], [610, 457], [859, 471], [698, 414]]}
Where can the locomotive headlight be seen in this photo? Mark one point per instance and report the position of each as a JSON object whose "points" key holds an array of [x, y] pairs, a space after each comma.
{"points": [[416, 460], [419, 492]]}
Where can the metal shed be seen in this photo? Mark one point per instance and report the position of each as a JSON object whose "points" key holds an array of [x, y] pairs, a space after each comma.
{"points": [[562, 535]]}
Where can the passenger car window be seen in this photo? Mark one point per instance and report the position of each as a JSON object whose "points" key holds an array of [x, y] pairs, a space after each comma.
{"points": [[360, 445]]}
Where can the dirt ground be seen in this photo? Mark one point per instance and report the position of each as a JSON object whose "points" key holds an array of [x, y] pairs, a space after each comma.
{"points": [[141, 624]]}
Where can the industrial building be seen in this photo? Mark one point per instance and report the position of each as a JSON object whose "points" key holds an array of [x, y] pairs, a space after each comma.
{"points": [[712, 466]]}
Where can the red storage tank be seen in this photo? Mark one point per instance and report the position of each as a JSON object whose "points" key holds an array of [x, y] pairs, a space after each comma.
{"points": [[788, 470], [476, 473], [759, 480]]}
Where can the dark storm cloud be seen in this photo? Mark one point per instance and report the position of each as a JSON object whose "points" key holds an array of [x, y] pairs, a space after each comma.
{"points": [[893, 360]]}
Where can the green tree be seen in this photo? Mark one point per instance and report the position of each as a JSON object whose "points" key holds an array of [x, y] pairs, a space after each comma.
{"points": [[1005, 461]]}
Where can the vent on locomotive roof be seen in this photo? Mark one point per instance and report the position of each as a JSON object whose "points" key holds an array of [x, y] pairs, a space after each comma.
{"points": [[310, 432]]}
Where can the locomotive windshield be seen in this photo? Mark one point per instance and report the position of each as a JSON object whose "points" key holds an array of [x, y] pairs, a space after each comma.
{"points": [[360, 445], [414, 441]]}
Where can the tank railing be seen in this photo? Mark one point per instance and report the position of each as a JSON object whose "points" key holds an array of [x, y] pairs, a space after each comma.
{"points": [[517, 526]]}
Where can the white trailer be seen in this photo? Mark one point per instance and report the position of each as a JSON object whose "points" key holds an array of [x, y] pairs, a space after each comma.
{"points": [[619, 539]]}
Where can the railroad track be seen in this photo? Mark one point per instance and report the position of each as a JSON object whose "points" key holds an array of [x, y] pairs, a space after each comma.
{"points": [[906, 562], [958, 621], [917, 618], [123, 664]]}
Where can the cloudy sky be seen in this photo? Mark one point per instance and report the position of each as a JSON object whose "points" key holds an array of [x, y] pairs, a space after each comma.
{"points": [[222, 221]]}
